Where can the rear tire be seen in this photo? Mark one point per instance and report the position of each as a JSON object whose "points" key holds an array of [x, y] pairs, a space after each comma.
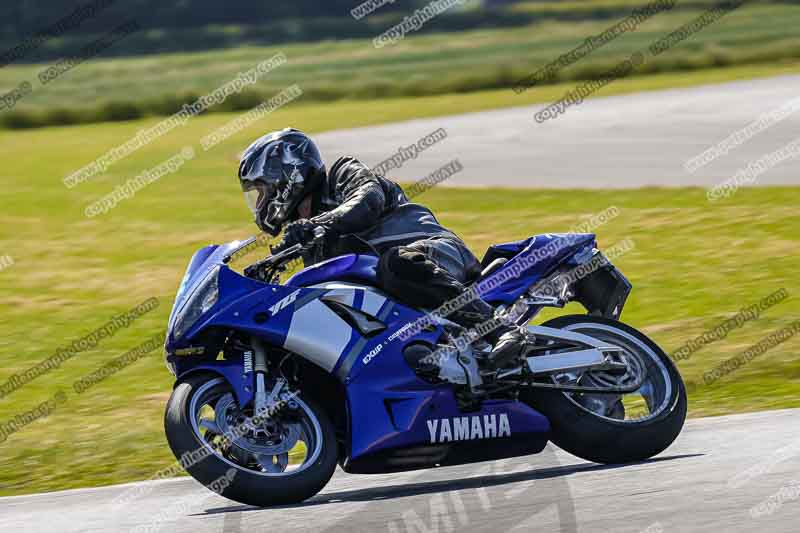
{"points": [[246, 486], [602, 439]]}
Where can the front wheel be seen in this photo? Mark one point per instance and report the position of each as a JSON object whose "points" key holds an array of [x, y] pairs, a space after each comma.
{"points": [[285, 457], [607, 428]]}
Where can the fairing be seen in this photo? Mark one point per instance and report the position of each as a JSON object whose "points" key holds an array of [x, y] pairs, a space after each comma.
{"points": [[388, 407], [350, 267], [528, 261]]}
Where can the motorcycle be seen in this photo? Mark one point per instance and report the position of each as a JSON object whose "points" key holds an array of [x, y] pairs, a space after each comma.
{"points": [[283, 381]]}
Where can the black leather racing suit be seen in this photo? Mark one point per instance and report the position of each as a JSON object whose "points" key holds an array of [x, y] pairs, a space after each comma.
{"points": [[422, 263]]}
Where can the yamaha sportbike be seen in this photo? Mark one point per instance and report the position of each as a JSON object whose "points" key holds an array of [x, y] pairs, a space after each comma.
{"points": [[283, 381]]}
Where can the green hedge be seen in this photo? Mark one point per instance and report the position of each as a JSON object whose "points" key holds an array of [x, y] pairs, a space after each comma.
{"points": [[501, 76]]}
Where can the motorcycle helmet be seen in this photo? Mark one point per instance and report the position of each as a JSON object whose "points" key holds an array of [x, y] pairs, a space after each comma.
{"points": [[276, 173]]}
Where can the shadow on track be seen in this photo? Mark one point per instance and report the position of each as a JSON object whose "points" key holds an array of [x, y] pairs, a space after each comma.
{"points": [[433, 487]]}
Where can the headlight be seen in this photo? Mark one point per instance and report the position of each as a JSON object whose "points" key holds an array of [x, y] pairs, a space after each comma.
{"points": [[201, 300]]}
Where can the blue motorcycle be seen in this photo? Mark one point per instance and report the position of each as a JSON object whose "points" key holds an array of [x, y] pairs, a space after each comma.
{"points": [[282, 381]]}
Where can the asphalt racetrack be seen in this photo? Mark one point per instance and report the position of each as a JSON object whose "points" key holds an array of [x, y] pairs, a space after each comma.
{"points": [[733, 473], [631, 140]]}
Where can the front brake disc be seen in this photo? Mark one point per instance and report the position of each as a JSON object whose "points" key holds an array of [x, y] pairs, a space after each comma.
{"points": [[247, 436]]}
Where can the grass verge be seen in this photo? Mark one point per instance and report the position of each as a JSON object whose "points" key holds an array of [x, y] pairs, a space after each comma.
{"points": [[693, 266]]}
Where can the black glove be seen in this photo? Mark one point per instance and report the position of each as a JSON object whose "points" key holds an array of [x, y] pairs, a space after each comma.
{"points": [[256, 270], [298, 232]]}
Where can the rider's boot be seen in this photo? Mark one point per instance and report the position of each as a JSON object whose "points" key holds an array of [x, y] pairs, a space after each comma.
{"points": [[505, 339], [508, 348]]}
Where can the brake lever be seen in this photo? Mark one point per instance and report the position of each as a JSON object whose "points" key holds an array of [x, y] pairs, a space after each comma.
{"points": [[273, 259], [272, 264]]}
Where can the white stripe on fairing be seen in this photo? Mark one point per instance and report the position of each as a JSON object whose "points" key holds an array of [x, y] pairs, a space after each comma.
{"points": [[333, 285], [372, 302], [318, 334], [373, 298]]}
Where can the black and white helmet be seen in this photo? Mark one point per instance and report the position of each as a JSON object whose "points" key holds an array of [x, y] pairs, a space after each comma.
{"points": [[276, 172]]}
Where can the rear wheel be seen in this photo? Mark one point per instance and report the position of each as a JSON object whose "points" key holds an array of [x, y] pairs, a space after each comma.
{"points": [[606, 428], [286, 457]]}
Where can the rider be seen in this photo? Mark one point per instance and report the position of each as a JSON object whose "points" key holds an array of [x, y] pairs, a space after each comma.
{"points": [[422, 263]]}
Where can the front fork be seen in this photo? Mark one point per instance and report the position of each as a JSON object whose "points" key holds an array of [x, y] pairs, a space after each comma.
{"points": [[260, 374], [261, 400]]}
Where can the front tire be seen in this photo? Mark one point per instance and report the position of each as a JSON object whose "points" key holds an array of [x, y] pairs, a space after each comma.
{"points": [[246, 485], [607, 436]]}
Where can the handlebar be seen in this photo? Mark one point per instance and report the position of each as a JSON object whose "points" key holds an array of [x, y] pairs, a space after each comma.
{"points": [[289, 253], [274, 263]]}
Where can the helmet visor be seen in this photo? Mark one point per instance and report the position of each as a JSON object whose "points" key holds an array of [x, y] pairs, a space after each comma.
{"points": [[257, 194], [253, 199]]}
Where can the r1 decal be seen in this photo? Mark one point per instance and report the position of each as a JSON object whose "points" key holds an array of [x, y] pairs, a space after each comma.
{"points": [[282, 304]]}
